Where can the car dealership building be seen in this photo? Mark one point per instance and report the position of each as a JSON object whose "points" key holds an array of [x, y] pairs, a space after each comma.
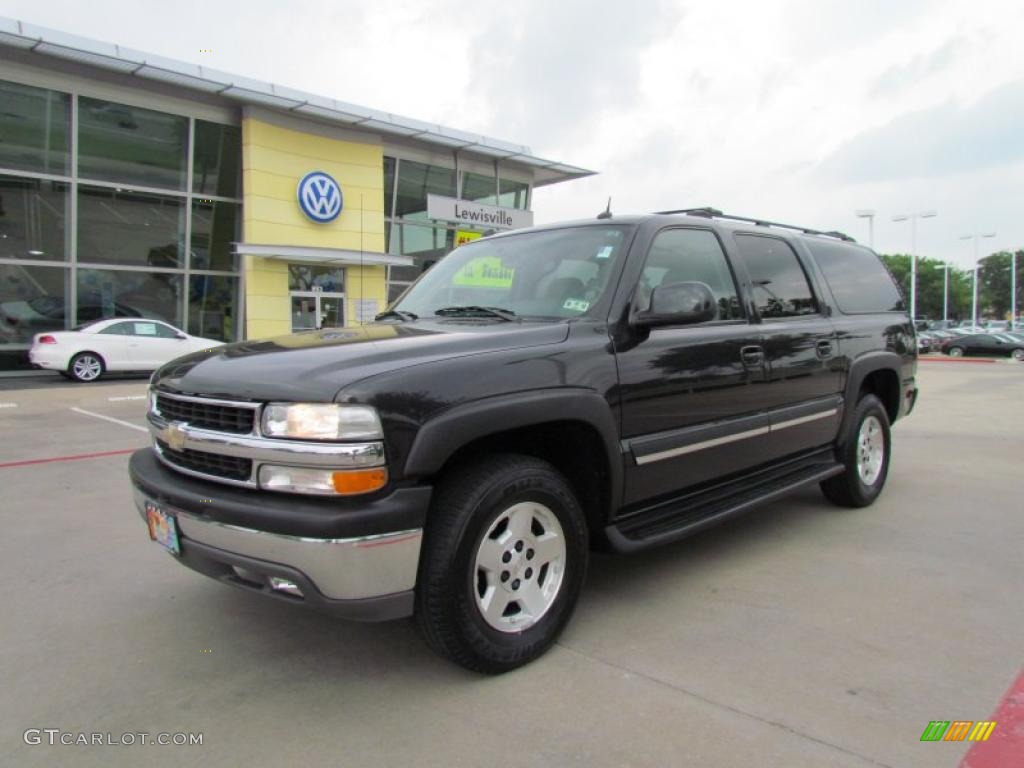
{"points": [[133, 185]]}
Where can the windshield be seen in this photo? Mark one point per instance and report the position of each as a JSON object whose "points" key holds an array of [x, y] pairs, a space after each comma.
{"points": [[560, 273]]}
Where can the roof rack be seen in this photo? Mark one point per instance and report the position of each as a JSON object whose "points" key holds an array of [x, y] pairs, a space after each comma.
{"points": [[714, 213]]}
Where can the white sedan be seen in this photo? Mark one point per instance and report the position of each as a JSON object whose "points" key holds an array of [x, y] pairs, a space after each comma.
{"points": [[118, 344]]}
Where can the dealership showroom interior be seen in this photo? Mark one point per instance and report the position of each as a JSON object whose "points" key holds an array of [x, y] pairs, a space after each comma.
{"points": [[598, 384]]}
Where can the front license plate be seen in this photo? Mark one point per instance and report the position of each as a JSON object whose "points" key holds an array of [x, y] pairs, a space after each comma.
{"points": [[162, 528]]}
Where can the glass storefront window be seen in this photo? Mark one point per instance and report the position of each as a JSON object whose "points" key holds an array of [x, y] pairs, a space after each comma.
{"points": [[416, 181], [478, 188], [307, 277], [216, 165], [513, 194], [389, 185], [106, 293], [34, 129], [31, 301], [215, 229], [212, 300], [426, 242], [120, 143], [130, 228], [32, 219]]}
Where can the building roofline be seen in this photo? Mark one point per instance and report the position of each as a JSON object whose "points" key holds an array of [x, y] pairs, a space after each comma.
{"points": [[195, 77]]}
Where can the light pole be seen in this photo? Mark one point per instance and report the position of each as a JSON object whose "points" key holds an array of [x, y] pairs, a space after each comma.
{"points": [[974, 299], [1013, 289], [945, 294], [913, 217], [867, 213]]}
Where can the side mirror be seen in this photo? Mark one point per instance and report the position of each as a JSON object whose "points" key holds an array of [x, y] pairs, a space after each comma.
{"points": [[678, 304], [181, 337]]}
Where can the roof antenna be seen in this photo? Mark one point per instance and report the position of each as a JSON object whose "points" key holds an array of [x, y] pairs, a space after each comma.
{"points": [[607, 212]]}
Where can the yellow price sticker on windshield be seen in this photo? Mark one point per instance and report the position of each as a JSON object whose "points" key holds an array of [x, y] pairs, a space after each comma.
{"points": [[485, 272], [463, 236]]}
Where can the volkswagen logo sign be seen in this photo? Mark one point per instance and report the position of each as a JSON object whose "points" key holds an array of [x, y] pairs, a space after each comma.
{"points": [[319, 197]]}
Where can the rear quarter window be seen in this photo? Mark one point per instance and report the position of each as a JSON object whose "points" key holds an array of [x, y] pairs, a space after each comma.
{"points": [[857, 278]]}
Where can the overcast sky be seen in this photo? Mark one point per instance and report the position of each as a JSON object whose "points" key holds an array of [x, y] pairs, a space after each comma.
{"points": [[798, 110]]}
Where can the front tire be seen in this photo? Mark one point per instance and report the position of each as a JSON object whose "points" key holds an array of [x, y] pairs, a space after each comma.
{"points": [[956, 352], [504, 559], [86, 367], [1018, 355], [865, 456]]}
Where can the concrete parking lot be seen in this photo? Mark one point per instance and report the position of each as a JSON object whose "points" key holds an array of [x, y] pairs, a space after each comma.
{"points": [[800, 635]]}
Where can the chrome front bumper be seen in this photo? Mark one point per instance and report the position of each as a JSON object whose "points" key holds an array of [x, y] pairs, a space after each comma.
{"points": [[339, 569]]}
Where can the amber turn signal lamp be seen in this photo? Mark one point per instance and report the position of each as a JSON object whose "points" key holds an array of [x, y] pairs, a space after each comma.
{"points": [[359, 481]]}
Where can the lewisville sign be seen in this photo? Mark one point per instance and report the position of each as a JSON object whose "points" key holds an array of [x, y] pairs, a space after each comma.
{"points": [[478, 214]]}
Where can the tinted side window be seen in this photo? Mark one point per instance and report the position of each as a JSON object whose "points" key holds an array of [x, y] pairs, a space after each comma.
{"points": [[857, 278], [690, 255], [119, 329], [780, 285]]}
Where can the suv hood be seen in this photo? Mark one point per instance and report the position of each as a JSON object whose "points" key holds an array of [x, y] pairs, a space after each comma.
{"points": [[314, 365]]}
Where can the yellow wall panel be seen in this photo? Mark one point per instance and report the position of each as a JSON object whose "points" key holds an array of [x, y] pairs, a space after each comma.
{"points": [[290, 165], [286, 212], [282, 187], [270, 233], [274, 159], [310, 145]]}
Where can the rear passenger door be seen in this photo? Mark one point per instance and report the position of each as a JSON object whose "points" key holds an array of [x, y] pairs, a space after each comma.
{"points": [[804, 370]]}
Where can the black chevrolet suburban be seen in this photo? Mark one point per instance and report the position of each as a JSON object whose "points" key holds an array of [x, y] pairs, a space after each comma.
{"points": [[620, 382]]}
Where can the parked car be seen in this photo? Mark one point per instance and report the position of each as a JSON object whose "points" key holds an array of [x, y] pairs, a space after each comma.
{"points": [[986, 344], [118, 344], [628, 380], [925, 342], [20, 319]]}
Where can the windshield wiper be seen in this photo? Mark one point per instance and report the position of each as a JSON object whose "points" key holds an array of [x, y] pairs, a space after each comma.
{"points": [[405, 316], [472, 309]]}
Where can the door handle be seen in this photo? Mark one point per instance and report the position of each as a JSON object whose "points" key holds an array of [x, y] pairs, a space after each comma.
{"points": [[752, 355], [825, 349]]}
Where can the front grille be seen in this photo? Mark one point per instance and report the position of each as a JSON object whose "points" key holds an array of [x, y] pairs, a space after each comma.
{"points": [[229, 467], [221, 418]]}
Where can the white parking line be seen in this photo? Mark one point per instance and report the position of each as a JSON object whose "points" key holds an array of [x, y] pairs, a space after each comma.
{"points": [[110, 418], [126, 397], [8, 405]]}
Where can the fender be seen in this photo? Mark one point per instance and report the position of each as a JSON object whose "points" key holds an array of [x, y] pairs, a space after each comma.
{"points": [[438, 439], [859, 370]]}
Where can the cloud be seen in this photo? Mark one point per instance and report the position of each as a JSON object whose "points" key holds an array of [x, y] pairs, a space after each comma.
{"points": [[552, 70], [943, 140], [901, 76]]}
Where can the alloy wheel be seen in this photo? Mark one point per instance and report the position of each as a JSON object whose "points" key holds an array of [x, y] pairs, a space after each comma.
{"points": [[87, 368], [519, 567], [870, 450]]}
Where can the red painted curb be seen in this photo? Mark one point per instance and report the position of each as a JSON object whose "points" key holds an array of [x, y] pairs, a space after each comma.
{"points": [[67, 458], [1005, 747], [944, 359]]}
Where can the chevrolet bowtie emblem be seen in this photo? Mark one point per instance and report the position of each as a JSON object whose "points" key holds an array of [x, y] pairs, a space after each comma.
{"points": [[174, 436]]}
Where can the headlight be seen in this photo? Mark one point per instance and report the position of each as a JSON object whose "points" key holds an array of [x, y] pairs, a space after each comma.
{"points": [[321, 421]]}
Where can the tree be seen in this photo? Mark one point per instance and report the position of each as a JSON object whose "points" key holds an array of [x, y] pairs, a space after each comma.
{"points": [[994, 283], [930, 286]]}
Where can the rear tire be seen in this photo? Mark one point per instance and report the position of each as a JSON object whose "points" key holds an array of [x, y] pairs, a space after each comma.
{"points": [[865, 456], [1018, 355], [504, 558], [86, 367]]}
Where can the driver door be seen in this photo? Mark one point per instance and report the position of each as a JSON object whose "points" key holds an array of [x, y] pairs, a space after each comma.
{"points": [[690, 393]]}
